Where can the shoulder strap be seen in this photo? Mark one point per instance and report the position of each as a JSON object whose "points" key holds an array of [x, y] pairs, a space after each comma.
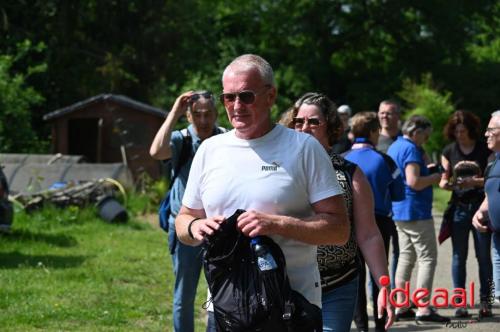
{"points": [[185, 153], [489, 168], [221, 130]]}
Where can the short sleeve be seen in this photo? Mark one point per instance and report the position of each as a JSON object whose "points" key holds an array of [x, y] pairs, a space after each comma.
{"points": [[412, 156], [447, 152]]}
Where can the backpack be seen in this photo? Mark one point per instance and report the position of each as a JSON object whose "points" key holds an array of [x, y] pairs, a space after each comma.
{"points": [[245, 298], [164, 210]]}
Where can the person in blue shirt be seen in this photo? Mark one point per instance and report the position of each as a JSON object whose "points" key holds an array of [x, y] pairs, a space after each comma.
{"points": [[487, 216], [413, 215], [387, 186], [199, 107]]}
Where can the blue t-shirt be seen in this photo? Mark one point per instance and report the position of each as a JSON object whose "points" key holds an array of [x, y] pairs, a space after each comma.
{"points": [[417, 204], [492, 188], [384, 177]]}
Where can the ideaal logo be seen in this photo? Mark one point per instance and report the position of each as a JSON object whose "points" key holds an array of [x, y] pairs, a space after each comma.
{"points": [[440, 299]]}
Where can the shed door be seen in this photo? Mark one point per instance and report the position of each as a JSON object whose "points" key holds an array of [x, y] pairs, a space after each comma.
{"points": [[83, 137]]}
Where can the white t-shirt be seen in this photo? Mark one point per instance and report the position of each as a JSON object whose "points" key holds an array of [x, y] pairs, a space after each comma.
{"points": [[282, 173]]}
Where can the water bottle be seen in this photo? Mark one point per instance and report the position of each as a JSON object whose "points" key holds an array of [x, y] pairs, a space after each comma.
{"points": [[265, 260]]}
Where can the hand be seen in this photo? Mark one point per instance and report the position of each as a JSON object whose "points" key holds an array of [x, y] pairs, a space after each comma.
{"points": [[204, 227], [467, 182], [182, 104], [479, 218], [253, 223], [435, 178], [387, 307]]}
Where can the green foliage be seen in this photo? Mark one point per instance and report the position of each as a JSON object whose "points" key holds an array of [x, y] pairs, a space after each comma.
{"points": [[357, 52], [424, 99], [484, 47], [441, 198], [17, 99], [147, 196]]}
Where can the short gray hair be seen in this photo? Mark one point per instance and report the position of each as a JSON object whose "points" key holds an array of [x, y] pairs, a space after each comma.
{"points": [[496, 113], [392, 102], [252, 61], [414, 123]]}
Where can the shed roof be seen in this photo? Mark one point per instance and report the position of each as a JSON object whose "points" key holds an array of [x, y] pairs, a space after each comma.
{"points": [[119, 99]]}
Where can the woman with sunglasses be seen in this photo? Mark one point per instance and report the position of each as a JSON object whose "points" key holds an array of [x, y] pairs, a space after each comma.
{"points": [[316, 114]]}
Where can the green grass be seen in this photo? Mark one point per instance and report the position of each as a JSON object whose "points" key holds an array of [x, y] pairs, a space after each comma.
{"points": [[441, 198], [67, 270]]}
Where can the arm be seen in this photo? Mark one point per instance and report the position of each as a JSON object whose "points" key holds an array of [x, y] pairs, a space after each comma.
{"points": [[445, 177], [328, 226], [160, 148], [417, 182], [368, 237], [199, 228], [481, 216], [471, 182]]}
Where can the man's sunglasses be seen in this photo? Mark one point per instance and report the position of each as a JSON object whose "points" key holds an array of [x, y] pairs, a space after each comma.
{"points": [[299, 122], [196, 96], [246, 96]]}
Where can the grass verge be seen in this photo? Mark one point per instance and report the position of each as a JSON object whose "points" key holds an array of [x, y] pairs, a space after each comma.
{"points": [[441, 198], [67, 270]]}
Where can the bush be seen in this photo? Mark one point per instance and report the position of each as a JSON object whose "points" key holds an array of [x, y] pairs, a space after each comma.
{"points": [[424, 99], [16, 100]]}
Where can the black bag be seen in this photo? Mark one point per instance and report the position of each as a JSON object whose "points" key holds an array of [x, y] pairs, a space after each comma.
{"points": [[447, 223], [186, 153], [164, 210], [248, 299]]}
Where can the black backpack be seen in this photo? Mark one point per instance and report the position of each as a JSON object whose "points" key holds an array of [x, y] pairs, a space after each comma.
{"points": [[248, 299]]}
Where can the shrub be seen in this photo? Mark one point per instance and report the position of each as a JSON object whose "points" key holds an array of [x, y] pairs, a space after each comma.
{"points": [[424, 99]]}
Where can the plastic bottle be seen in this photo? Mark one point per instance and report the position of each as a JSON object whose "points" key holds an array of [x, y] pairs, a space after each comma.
{"points": [[265, 260]]}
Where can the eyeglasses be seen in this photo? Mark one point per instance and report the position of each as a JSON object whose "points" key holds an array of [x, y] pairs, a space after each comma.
{"points": [[246, 96], [299, 122], [490, 130], [196, 96]]}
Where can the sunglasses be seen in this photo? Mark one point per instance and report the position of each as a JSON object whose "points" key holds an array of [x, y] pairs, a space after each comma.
{"points": [[299, 122], [491, 130], [246, 96], [194, 97]]}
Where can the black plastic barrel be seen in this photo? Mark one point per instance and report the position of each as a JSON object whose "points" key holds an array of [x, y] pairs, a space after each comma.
{"points": [[111, 210]]}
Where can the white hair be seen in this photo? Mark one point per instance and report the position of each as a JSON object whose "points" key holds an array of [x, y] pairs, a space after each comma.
{"points": [[496, 113], [252, 61]]}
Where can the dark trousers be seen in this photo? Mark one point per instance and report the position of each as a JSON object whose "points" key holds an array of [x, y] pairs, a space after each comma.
{"points": [[387, 229]]}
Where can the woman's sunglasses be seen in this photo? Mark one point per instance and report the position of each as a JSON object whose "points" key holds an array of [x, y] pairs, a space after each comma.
{"points": [[299, 122]]}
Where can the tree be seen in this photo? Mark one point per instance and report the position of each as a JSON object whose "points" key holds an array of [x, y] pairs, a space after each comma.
{"points": [[16, 100], [424, 99]]}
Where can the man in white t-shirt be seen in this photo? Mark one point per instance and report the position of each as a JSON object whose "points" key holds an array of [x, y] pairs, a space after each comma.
{"points": [[283, 179]]}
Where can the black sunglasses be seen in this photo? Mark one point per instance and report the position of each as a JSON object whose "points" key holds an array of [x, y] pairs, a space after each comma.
{"points": [[299, 122], [246, 96], [196, 96]]}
